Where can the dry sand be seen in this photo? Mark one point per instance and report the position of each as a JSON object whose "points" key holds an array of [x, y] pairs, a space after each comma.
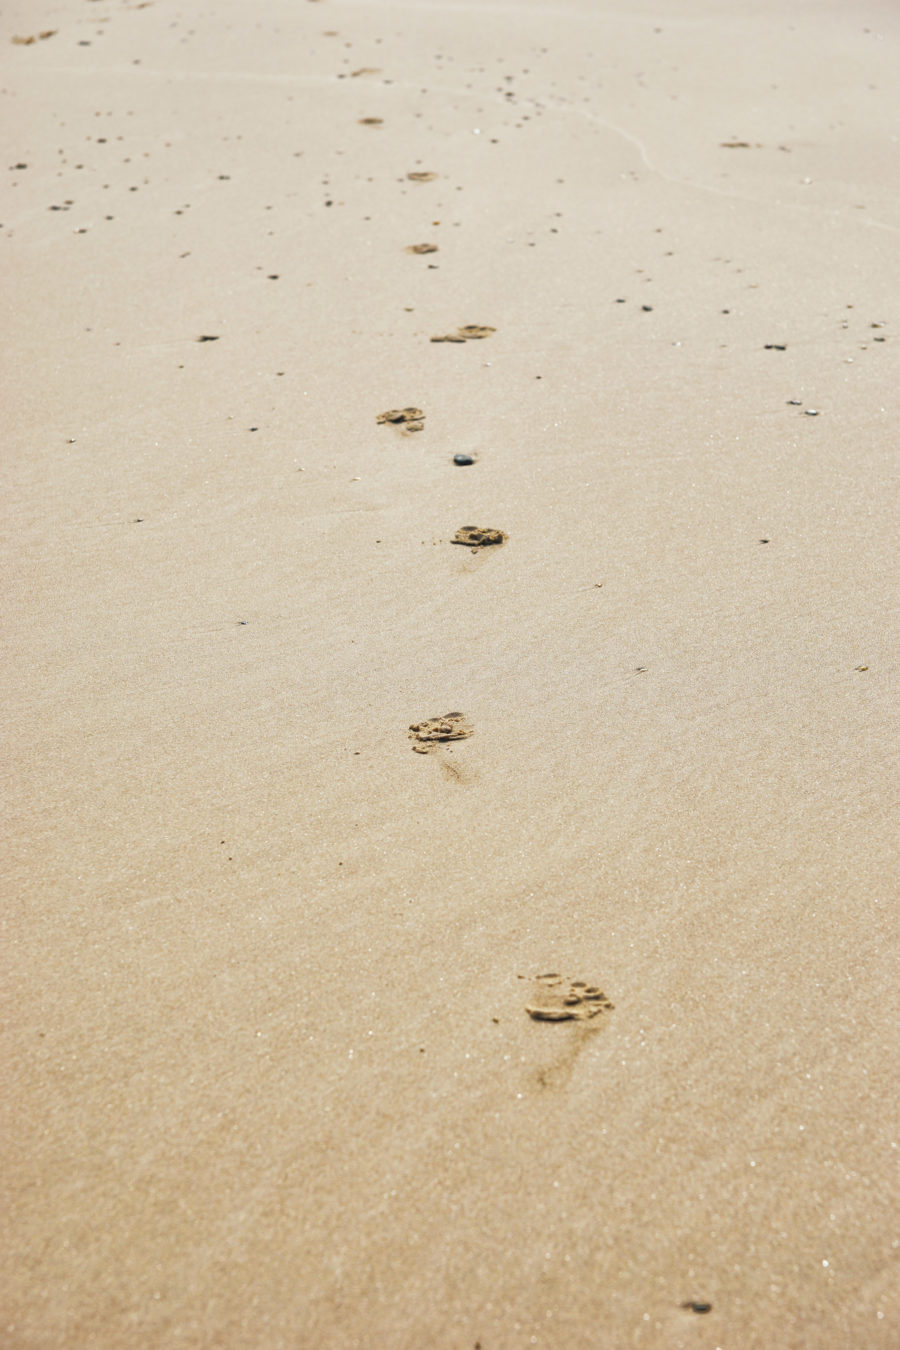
{"points": [[271, 1081]]}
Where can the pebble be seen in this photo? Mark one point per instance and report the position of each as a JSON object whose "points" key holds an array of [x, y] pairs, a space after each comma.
{"points": [[811, 412], [463, 459]]}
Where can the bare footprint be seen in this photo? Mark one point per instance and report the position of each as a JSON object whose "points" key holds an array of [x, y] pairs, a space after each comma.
{"points": [[407, 419], [561, 1000], [555, 999], [401, 415], [478, 536], [427, 736], [468, 333], [32, 37]]}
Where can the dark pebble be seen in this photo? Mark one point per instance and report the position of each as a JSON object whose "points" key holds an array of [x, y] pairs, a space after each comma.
{"points": [[700, 1307], [208, 337], [463, 459], [648, 309]]}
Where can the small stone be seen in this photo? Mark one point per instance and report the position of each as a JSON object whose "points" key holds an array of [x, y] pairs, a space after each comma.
{"points": [[463, 459], [811, 412]]}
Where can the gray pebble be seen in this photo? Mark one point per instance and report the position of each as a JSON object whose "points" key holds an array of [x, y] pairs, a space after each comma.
{"points": [[463, 459]]}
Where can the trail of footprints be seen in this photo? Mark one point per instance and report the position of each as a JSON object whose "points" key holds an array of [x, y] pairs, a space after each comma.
{"points": [[554, 998]]}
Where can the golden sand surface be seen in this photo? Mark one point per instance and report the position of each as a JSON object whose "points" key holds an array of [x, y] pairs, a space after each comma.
{"points": [[578, 1028]]}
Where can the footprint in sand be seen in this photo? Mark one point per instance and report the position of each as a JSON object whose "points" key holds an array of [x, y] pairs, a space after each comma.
{"points": [[469, 333], [556, 999], [407, 419], [478, 536], [431, 737], [434, 731], [34, 37]]}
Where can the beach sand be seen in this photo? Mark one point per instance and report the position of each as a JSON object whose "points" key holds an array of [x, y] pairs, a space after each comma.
{"points": [[271, 1077]]}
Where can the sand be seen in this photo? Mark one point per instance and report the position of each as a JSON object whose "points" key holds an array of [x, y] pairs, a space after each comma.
{"points": [[280, 1071]]}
